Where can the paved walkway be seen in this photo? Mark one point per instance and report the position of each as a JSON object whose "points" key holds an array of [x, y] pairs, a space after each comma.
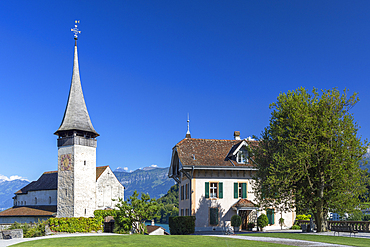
{"points": [[293, 242]]}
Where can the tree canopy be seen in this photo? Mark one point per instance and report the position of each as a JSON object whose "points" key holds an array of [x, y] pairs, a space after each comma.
{"points": [[170, 204], [308, 157], [135, 210]]}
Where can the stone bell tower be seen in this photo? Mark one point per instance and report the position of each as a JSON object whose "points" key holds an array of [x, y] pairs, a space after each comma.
{"points": [[76, 153]]}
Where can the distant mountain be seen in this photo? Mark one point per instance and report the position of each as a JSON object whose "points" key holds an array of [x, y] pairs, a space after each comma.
{"points": [[7, 190], [120, 169], [152, 180]]}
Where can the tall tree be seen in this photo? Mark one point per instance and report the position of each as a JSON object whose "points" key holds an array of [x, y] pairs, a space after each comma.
{"points": [[135, 210], [308, 157]]}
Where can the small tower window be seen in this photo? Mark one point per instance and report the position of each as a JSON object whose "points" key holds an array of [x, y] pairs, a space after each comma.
{"points": [[35, 200], [85, 211], [49, 199], [85, 162], [21, 202], [24, 202]]}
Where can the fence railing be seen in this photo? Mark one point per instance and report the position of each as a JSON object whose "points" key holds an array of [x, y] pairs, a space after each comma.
{"points": [[360, 226]]}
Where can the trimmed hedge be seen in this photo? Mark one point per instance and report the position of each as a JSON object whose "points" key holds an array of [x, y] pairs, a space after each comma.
{"points": [[262, 221], [75, 225], [182, 225], [236, 220]]}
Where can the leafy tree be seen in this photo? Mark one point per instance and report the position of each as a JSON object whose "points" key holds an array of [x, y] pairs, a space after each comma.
{"points": [[308, 157], [135, 210], [170, 203]]}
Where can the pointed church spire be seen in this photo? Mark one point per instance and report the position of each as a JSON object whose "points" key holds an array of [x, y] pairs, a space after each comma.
{"points": [[188, 132], [76, 118]]}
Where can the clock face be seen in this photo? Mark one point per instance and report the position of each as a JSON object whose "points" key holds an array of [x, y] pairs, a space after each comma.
{"points": [[65, 162]]}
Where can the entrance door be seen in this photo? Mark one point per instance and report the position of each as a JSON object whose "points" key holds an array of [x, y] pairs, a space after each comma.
{"points": [[244, 215]]}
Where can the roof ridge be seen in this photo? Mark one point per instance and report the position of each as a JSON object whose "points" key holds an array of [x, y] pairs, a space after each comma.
{"points": [[49, 172]]}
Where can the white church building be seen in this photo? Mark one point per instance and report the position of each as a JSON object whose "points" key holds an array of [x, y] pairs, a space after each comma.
{"points": [[78, 187]]}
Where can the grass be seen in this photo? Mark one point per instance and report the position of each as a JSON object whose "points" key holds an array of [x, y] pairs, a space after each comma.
{"points": [[318, 238], [141, 240]]}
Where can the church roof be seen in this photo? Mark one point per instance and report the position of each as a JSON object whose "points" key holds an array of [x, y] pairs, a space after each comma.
{"points": [[100, 170], [207, 152], [49, 181], [29, 211], [76, 116]]}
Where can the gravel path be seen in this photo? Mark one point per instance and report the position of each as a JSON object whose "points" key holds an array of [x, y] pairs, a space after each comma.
{"points": [[286, 241]]}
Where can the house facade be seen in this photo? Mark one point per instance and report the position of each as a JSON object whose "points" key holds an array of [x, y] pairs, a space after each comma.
{"points": [[215, 181]]}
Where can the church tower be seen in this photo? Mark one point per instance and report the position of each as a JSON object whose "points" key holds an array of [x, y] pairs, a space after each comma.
{"points": [[76, 153]]}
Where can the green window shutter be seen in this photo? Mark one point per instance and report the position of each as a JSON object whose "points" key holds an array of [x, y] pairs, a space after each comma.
{"points": [[213, 216], [236, 190], [220, 190], [207, 190], [244, 190], [272, 216]]}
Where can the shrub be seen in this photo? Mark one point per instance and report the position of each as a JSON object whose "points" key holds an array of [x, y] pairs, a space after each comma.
{"points": [[296, 227], [262, 221], [236, 220], [30, 230], [251, 225], [303, 217], [74, 225], [366, 217], [182, 225]]}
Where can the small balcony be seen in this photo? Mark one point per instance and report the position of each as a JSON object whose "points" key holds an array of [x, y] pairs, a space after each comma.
{"points": [[77, 140]]}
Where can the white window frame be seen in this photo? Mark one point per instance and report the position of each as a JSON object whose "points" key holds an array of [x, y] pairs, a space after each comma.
{"points": [[213, 190]]}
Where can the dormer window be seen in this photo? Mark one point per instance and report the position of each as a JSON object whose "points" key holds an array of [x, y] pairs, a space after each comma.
{"points": [[241, 156]]}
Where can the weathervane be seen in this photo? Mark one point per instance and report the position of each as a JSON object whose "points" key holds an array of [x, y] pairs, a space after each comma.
{"points": [[75, 29]]}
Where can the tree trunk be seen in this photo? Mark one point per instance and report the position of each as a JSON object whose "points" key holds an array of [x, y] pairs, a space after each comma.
{"points": [[320, 218], [320, 215]]}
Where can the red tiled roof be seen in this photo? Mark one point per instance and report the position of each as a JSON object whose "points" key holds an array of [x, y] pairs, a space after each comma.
{"points": [[244, 203], [208, 152], [100, 170], [29, 211], [151, 228]]}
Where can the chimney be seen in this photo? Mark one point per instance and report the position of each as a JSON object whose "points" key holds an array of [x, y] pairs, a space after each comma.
{"points": [[236, 135]]}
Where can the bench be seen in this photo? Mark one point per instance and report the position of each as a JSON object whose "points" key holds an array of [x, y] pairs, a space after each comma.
{"points": [[343, 229]]}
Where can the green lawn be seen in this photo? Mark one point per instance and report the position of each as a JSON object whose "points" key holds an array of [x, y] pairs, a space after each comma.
{"points": [[140, 240], [318, 238]]}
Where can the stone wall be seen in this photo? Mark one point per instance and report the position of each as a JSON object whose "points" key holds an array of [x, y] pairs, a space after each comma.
{"points": [[10, 234], [76, 181], [85, 181], [65, 182]]}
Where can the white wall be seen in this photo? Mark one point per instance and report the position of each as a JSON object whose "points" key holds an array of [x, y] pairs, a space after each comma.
{"points": [[201, 204], [85, 181], [41, 195], [108, 188]]}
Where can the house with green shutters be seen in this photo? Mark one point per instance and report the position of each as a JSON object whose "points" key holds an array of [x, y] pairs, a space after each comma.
{"points": [[215, 182]]}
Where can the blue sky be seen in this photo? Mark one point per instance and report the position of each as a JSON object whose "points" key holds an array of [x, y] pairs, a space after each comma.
{"points": [[145, 64]]}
